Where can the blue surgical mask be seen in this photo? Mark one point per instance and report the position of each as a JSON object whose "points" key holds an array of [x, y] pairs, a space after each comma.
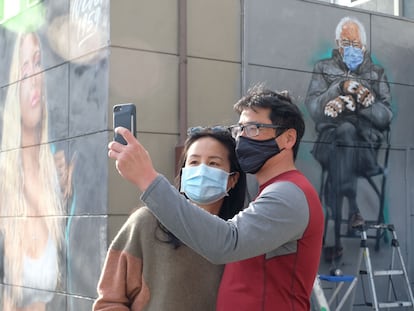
{"points": [[353, 57], [204, 184]]}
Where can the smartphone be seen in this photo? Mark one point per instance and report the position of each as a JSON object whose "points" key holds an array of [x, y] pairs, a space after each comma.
{"points": [[125, 115]]}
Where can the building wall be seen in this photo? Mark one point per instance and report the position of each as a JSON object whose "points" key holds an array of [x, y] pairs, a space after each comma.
{"points": [[144, 69], [96, 54]]}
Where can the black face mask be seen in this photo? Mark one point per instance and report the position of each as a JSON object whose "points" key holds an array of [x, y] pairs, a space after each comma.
{"points": [[253, 154]]}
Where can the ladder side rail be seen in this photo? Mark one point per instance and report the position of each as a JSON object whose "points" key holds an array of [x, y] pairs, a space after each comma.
{"points": [[391, 288], [357, 273], [368, 266], [370, 274], [407, 281], [335, 293], [349, 290], [394, 272], [319, 295]]}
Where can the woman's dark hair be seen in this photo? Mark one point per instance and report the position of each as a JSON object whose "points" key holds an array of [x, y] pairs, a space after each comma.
{"points": [[234, 202]]}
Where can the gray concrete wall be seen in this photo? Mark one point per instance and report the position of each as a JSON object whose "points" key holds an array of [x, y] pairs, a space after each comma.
{"points": [[96, 55], [144, 69]]}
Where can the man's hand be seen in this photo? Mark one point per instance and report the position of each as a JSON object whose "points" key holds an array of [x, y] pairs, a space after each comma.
{"points": [[337, 105], [363, 96], [132, 160]]}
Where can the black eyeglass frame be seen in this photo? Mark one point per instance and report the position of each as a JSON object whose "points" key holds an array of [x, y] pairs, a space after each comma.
{"points": [[240, 128]]}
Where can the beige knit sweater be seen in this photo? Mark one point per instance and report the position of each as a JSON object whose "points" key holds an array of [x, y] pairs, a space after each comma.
{"points": [[143, 273]]}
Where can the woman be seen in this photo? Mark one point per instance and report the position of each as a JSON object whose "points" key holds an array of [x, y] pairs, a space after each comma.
{"points": [[30, 186], [146, 267]]}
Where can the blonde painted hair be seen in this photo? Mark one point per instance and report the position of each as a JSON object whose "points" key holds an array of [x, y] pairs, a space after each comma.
{"points": [[14, 209]]}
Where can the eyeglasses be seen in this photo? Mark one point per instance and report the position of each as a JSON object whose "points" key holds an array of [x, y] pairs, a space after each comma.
{"points": [[215, 129], [251, 129], [346, 43]]}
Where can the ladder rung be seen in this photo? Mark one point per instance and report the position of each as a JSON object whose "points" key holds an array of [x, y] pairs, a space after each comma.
{"points": [[395, 304], [388, 272]]}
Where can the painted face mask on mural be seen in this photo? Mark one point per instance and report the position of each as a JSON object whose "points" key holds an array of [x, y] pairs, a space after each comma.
{"points": [[353, 57], [203, 184], [253, 154]]}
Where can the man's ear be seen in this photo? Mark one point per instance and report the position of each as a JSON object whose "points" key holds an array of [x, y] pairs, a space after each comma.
{"points": [[290, 137]]}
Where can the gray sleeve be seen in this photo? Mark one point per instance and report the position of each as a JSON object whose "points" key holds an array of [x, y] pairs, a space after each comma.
{"points": [[278, 216]]}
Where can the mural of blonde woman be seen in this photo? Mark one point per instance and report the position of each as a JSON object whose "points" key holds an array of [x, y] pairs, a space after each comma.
{"points": [[33, 188]]}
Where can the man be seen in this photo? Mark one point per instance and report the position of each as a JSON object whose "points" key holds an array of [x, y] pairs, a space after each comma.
{"points": [[349, 101], [272, 248]]}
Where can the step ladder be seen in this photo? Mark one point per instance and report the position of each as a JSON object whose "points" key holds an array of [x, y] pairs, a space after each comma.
{"points": [[393, 274], [321, 303]]}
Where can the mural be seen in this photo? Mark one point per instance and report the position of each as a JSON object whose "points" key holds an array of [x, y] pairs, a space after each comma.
{"points": [[35, 184], [349, 101], [361, 143], [52, 137]]}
